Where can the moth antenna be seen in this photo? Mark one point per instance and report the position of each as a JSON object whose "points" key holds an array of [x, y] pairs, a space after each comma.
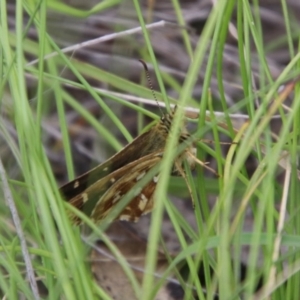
{"points": [[150, 83]]}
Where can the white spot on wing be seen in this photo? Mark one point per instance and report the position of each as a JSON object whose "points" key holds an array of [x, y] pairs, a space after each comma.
{"points": [[140, 176], [125, 218], [155, 179], [85, 197], [112, 180], [117, 197], [143, 202], [76, 184]]}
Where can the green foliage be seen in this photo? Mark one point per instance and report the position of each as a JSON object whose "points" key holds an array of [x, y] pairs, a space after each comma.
{"points": [[219, 241]]}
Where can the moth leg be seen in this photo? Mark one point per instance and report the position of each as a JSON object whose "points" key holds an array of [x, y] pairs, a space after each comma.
{"points": [[201, 163], [213, 142]]}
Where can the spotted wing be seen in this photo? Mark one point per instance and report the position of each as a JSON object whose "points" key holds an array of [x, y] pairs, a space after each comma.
{"points": [[134, 151], [140, 204], [99, 198]]}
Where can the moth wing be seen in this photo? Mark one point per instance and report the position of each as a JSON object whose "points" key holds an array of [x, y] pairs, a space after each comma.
{"points": [[140, 204], [129, 154], [89, 199]]}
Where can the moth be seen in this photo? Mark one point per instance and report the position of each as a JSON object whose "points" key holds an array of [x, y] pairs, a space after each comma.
{"points": [[97, 191]]}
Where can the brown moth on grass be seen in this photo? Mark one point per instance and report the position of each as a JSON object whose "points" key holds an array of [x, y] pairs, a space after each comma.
{"points": [[97, 191]]}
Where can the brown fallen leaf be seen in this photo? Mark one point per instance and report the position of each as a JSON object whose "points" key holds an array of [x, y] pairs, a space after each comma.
{"points": [[110, 276]]}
